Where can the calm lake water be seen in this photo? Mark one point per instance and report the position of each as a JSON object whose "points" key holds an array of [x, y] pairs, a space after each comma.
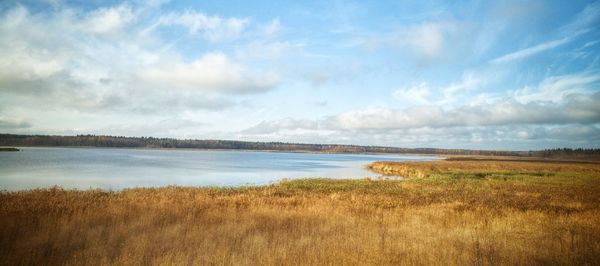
{"points": [[115, 169]]}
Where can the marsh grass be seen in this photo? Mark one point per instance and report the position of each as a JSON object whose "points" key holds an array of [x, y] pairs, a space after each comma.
{"points": [[480, 213]]}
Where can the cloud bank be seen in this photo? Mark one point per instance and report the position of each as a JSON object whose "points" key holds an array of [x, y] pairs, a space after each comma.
{"points": [[105, 59], [561, 109]]}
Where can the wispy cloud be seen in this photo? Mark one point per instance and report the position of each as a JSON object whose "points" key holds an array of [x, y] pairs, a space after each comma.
{"points": [[417, 94], [556, 88], [107, 20], [521, 54], [424, 93], [214, 28], [588, 18], [581, 23]]}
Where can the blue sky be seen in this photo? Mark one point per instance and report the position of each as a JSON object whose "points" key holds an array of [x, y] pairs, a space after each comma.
{"points": [[451, 74]]}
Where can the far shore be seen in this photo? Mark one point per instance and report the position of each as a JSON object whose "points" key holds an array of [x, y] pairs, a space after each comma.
{"points": [[440, 156], [449, 157]]}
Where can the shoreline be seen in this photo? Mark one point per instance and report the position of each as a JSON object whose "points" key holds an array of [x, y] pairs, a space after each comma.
{"points": [[241, 150], [448, 157], [392, 171]]}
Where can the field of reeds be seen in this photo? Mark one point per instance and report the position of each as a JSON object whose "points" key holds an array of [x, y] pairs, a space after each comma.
{"points": [[447, 213]]}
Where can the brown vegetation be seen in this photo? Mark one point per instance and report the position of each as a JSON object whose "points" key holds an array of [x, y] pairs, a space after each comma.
{"points": [[469, 166], [468, 213]]}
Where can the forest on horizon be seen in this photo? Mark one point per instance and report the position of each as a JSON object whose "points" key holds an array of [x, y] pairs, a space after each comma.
{"points": [[170, 143]]}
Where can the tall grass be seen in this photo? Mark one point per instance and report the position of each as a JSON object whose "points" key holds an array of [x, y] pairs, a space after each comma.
{"points": [[458, 216]]}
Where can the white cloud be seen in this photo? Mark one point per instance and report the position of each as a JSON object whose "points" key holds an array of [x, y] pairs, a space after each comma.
{"points": [[169, 127], [468, 83], [24, 57], [557, 88], [575, 108], [87, 69], [521, 54], [416, 94], [12, 124], [213, 72], [427, 42], [272, 28], [423, 93], [214, 28], [107, 20], [588, 18], [286, 124], [570, 116], [521, 137], [428, 39], [267, 50], [116, 62]]}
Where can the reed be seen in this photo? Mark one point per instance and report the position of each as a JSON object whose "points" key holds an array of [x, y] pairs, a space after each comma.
{"points": [[508, 213]]}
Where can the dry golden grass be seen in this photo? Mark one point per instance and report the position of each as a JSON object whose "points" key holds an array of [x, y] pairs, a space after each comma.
{"points": [[481, 213], [482, 166]]}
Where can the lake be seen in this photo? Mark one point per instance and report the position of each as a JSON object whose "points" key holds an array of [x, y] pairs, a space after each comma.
{"points": [[119, 168]]}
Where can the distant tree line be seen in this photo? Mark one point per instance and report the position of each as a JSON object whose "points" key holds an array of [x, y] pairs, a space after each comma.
{"points": [[151, 142], [566, 152]]}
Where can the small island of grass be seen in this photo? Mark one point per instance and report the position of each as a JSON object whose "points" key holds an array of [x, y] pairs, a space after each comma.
{"points": [[8, 149]]}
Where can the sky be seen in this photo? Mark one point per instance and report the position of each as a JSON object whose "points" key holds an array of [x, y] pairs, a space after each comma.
{"points": [[509, 75]]}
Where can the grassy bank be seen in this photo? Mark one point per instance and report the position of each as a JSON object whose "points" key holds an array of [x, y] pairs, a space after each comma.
{"points": [[456, 212], [485, 167]]}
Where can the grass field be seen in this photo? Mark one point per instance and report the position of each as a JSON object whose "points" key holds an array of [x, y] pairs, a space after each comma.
{"points": [[449, 213]]}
